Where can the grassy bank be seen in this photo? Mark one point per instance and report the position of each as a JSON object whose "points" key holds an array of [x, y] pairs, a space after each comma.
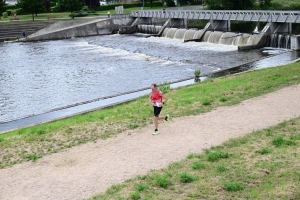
{"points": [[34, 142], [260, 165]]}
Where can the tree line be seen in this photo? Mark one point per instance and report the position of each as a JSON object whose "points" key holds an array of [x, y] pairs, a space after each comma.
{"points": [[34, 7]]}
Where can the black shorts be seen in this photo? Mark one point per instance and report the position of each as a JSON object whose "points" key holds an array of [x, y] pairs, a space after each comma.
{"points": [[157, 111]]}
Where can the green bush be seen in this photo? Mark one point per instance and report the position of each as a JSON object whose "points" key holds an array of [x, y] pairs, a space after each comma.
{"points": [[5, 14], [198, 165], [206, 102], [263, 151], [135, 195], [233, 186], [162, 181], [214, 156], [186, 178], [279, 141], [33, 157]]}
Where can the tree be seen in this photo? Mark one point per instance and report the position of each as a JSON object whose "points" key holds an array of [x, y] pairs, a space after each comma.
{"points": [[32, 6], [2, 4], [70, 5], [92, 3], [230, 4], [47, 5], [265, 3], [182, 2]]}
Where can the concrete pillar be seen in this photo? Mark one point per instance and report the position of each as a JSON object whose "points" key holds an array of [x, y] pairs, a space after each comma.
{"points": [[295, 42], [279, 28], [145, 20], [220, 25], [178, 23]]}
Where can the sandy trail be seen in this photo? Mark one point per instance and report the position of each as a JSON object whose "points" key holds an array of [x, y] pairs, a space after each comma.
{"points": [[83, 171]]}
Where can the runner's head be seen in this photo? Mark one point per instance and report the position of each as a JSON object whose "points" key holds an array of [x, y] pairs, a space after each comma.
{"points": [[154, 87]]}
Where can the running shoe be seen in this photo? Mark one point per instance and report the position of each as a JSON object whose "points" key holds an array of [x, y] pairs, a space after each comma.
{"points": [[155, 133], [167, 118]]}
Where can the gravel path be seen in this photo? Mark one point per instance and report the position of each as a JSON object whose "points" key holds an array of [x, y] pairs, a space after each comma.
{"points": [[91, 168]]}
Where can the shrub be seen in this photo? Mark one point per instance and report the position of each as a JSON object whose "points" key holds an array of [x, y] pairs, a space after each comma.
{"points": [[164, 87], [141, 187], [206, 102], [214, 156], [197, 72], [33, 157], [5, 14], [263, 151], [186, 178], [279, 141], [198, 165], [133, 126], [221, 168], [233, 186], [162, 181], [135, 195]]}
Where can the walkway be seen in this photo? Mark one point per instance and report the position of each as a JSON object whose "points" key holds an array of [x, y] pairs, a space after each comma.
{"points": [[83, 171], [239, 15]]}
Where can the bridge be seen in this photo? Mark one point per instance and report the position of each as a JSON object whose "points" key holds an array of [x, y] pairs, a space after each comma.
{"points": [[238, 15], [277, 22]]}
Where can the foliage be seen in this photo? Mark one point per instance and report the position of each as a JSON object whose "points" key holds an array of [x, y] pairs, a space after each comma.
{"points": [[265, 3], [230, 4], [162, 181], [164, 87], [83, 12], [32, 6], [47, 5], [233, 186], [170, 3], [2, 5], [5, 14], [186, 177], [33, 157], [92, 3], [69, 5], [215, 156], [197, 72]]}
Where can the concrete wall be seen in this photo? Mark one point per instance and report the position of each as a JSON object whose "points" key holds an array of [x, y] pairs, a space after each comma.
{"points": [[69, 29], [87, 30]]}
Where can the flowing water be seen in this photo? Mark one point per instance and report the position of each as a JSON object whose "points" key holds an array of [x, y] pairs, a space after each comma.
{"points": [[39, 77]]}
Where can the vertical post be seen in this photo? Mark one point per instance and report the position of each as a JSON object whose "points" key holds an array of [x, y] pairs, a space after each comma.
{"points": [[143, 5]]}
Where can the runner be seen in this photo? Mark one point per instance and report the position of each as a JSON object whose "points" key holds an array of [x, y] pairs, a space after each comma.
{"points": [[157, 100]]}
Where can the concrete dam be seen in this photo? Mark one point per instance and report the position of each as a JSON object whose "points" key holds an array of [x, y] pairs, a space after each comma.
{"points": [[173, 24]]}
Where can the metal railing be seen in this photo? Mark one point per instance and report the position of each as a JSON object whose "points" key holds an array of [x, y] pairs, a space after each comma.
{"points": [[239, 15]]}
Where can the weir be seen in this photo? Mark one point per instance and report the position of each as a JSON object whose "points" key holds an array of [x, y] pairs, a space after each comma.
{"points": [[218, 32], [173, 24], [277, 32]]}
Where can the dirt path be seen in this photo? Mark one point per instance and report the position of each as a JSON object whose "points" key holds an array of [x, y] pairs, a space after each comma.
{"points": [[86, 170]]}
